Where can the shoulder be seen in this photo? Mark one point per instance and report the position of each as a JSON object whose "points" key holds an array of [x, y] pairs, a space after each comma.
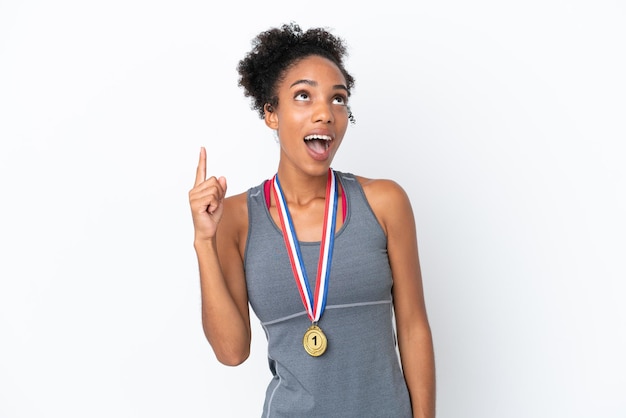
{"points": [[382, 191], [237, 202], [388, 200], [234, 223]]}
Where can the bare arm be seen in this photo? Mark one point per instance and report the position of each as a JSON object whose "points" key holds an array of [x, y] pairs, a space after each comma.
{"points": [[393, 209], [225, 314]]}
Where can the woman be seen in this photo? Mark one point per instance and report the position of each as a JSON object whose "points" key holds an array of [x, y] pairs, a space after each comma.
{"points": [[327, 260]]}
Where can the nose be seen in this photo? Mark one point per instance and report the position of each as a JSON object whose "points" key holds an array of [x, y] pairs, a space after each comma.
{"points": [[323, 112]]}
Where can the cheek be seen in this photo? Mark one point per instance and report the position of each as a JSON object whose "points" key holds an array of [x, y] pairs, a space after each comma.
{"points": [[343, 115], [291, 120], [342, 123]]}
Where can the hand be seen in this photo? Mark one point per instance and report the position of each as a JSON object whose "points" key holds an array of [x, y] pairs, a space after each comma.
{"points": [[206, 200]]}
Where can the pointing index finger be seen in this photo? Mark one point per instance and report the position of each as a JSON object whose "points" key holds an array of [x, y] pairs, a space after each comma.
{"points": [[201, 170]]}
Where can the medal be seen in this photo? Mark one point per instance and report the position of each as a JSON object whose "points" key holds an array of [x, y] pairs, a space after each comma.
{"points": [[314, 341]]}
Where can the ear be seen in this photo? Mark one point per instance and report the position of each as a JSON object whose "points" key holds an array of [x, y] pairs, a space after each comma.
{"points": [[271, 118]]}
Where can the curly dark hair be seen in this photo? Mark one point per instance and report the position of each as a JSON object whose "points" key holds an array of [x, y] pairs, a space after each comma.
{"points": [[278, 49]]}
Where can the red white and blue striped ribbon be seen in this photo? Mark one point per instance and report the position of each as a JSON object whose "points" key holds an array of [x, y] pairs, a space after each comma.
{"points": [[314, 307]]}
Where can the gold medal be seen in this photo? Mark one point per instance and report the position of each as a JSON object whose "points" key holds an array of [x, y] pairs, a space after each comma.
{"points": [[314, 341]]}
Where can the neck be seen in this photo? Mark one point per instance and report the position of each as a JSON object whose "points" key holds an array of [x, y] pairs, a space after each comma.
{"points": [[299, 188]]}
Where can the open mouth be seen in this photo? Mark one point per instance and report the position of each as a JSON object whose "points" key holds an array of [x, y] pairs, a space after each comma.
{"points": [[318, 143]]}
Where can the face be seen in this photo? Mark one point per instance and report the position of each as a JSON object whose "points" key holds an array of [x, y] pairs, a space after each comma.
{"points": [[312, 115]]}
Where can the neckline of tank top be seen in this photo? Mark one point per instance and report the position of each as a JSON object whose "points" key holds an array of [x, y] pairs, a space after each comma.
{"points": [[267, 187]]}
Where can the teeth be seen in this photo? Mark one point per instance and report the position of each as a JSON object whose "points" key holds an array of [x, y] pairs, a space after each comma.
{"points": [[323, 137]]}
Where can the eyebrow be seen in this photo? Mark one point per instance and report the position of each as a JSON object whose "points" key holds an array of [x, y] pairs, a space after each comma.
{"points": [[314, 84]]}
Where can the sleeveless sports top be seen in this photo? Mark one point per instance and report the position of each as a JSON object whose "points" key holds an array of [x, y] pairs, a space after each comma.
{"points": [[359, 375]]}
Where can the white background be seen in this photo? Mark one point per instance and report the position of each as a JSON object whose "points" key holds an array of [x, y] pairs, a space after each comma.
{"points": [[504, 121]]}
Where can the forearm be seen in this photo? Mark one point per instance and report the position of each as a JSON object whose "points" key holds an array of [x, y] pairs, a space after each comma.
{"points": [[225, 326], [418, 363]]}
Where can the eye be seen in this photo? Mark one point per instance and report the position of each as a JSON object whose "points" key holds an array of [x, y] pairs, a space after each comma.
{"points": [[302, 96], [341, 100]]}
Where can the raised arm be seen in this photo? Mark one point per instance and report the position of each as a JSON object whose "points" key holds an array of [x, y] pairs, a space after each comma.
{"points": [[218, 222]]}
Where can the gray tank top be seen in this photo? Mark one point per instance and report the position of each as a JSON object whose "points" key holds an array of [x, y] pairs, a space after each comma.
{"points": [[359, 375]]}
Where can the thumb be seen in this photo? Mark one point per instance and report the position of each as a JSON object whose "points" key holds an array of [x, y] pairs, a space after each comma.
{"points": [[222, 182]]}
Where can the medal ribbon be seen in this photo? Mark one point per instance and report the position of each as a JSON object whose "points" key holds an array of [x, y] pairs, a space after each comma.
{"points": [[314, 307]]}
